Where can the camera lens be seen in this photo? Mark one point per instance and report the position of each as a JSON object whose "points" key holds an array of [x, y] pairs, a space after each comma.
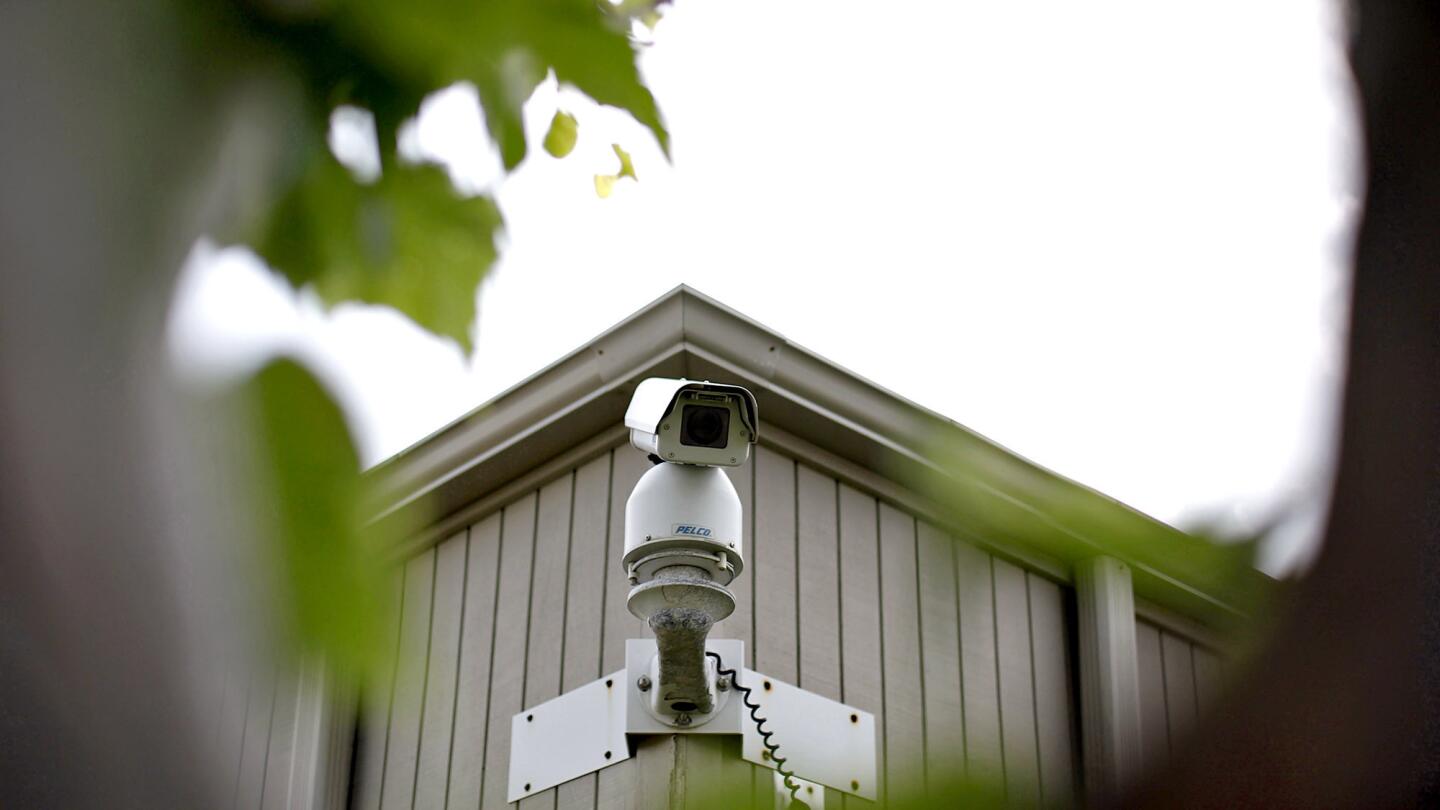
{"points": [[704, 426]]}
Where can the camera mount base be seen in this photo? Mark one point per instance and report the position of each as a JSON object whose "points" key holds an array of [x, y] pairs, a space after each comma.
{"points": [[588, 728]]}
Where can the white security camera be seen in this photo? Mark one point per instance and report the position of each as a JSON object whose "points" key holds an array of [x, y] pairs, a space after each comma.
{"points": [[688, 422], [682, 527]]}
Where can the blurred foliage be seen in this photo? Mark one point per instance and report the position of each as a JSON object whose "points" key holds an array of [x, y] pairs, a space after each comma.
{"points": [[1005, 500], [605, 183], [355, 241], [564, 131], [762, 791], [405, 239], [328, 570]]}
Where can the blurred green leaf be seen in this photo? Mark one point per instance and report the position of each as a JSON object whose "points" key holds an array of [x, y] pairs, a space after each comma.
{"points": [[564, 130], [408, 240], [1000, 498], [627, 168], [646, 11], [605, 183], [505, 47], [330, 573]]}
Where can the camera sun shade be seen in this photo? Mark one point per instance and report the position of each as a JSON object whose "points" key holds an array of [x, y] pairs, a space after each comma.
{"points": [[689, 422]]}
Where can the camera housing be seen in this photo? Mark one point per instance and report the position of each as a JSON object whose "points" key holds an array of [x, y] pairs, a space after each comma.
{"points": [[689, 422]]}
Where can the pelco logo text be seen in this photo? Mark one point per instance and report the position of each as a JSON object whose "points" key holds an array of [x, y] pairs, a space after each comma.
{"points": [[694, 531]]}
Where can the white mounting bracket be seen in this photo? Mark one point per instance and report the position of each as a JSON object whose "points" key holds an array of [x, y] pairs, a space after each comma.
{"points": [[586, 729], [822, 740], [577, 733]]}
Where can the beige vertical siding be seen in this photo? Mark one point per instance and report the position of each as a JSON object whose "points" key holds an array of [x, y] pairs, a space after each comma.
{"points": [[1179, 681], [964, 658]]}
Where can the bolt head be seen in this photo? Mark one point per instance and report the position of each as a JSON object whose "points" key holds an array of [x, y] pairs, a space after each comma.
{"points": [[643, 683], [723, 684], [682, 719]]}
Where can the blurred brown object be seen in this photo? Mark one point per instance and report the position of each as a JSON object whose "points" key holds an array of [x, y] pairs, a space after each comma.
{"points": [[1342, 706]]}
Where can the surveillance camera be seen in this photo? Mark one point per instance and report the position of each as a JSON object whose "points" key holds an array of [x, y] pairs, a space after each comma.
{"points": [[682, 527], [688, 422]]}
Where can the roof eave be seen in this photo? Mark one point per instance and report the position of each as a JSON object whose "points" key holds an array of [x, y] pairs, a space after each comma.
{"points": [[983, 491]]}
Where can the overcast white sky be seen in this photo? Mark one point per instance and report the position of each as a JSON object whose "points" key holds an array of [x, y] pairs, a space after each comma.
{"points": [[1110, 236]]}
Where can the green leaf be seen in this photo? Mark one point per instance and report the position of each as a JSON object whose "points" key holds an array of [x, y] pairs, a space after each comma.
{"points": [[408, 241], [605, 183], [627, 168], [328, 572], [505, 47], [564, 130]]}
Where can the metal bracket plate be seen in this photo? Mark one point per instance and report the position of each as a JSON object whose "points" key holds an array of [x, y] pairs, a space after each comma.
{"points": [[577, 733], [822, 740], [726, 719], [812, 793], [584, 730]]}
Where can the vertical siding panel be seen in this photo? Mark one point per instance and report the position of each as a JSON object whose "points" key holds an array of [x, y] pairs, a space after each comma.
{"points": [[584, 602], [615, 786], [819, 595], [403, 746], [900, 641], [861, 678], [375, 711], [741, 622], [1154, 725], [257, 741], [1054, 693], [507, 672], [819, 583], [467, 751], [1179, 686], [1209, 680], [546, 647], [774, 562], [1017, 685], [432, 773], [280, 753], [981, 691], [629, 465], [772, 558], [591, 570], [940, 640]]}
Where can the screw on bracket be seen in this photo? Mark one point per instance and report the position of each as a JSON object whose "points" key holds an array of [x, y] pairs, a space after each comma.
{"points": [[682, 719], [643, 684], [723, 684]]}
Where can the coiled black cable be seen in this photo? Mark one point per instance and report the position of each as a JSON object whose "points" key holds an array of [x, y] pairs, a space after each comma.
{"points": [[773, 748]]}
